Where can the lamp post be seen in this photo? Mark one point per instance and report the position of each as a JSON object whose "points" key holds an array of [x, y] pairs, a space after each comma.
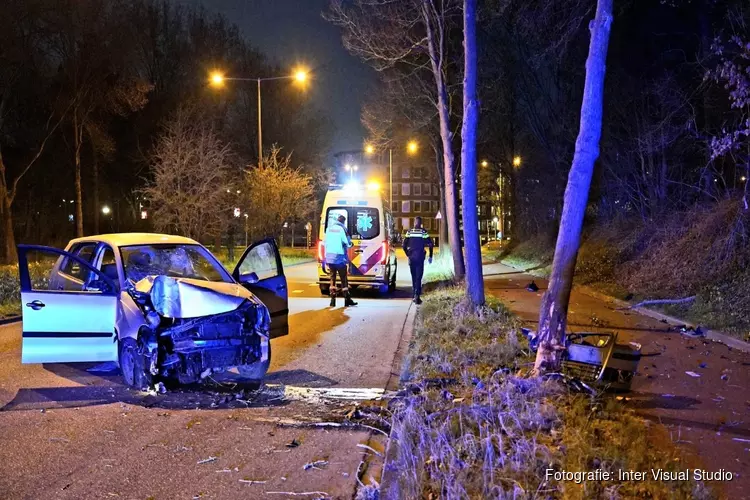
{"points": [[217, 80], [351, 169], [412, 147]]}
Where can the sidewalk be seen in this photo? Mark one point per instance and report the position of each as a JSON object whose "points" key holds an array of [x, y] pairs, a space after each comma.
{"points": [[708, 415]]}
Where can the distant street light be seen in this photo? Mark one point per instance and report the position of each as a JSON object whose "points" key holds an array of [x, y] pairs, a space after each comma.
{"points": [[743, 178], [484, 163], [351, 169], [517, 161], [411, 148], [106, 210], [217, 80]]}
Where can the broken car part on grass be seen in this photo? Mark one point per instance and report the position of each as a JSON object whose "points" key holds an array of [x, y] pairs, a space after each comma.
{"points": [[596, 359]]}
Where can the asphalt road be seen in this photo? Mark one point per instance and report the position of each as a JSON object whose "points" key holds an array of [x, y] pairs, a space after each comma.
{"points": [[70, 432]]}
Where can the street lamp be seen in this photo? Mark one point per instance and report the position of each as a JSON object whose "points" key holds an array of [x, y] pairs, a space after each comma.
{"points": [[106, 210], [517, 161], [411, 148], [217, 80], [351, 169], [484, 163]]}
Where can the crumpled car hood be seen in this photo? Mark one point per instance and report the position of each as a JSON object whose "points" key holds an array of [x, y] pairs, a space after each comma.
{"points": [[183, 298]]}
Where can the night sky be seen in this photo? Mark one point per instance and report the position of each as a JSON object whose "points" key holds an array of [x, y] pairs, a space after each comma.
{"points": [[293, 31]]}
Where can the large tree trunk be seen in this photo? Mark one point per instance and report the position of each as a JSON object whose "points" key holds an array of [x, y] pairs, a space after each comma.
{"points": [[8, 255], [554, 308], [78, 136], [474, 279], [95, 178], [435, 28]]}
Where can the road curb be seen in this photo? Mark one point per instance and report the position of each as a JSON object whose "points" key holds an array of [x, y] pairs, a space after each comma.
{"points": [[390, 482], [714, 335], [9, 320], [299, 263]]}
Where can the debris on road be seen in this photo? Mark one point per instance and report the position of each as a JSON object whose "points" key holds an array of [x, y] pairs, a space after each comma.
{"points": [[207, 460], [691, 332], [693, 374], [317, 464], [318, 494], [252, 481], [532, 287], [293, 443], [370, 448], [741, 440]]}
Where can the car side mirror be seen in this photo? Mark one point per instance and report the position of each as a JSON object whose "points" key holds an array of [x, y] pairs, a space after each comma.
{"points": [[251, 278]]}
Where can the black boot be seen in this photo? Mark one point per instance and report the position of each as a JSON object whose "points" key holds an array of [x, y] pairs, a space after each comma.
{"points": [[349, 301], [417, 299], [333, 299]]}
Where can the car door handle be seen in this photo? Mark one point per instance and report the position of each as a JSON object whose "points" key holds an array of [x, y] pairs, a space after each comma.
{"points": [[359, 250], [35, 304]]}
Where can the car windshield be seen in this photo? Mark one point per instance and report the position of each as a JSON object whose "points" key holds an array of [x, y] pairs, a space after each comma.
{"points": [[177, 261]]}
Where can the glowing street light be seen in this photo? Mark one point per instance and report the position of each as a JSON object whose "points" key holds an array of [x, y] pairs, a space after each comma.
{"points": [[106, 210], [351, 169], [412, 147], [484, 163], [369, 149], [743, 178], [217, 80], [517, 161], [300, 75]]}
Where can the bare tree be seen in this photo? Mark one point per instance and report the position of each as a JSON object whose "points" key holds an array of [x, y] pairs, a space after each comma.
{"points": [[277, 194], [96, 82], [469, 188], [190, 170], [413, 34], [554, 308]]}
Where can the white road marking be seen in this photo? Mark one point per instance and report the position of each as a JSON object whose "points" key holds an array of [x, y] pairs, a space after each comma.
{"points": [[313, 284]]}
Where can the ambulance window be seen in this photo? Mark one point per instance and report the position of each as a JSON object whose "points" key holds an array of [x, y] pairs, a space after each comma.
{"points": [[368, 223], [333, 214]]}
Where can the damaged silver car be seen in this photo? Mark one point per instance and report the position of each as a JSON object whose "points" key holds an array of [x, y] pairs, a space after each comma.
{"points": [[162, 306]]}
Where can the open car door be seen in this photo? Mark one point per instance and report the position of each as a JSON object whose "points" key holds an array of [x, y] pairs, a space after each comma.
{"points": [[260, 271], [65, 326]]}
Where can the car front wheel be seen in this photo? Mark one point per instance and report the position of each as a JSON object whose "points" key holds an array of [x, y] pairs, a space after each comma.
{"points": [[256, 372], [133, 365]]}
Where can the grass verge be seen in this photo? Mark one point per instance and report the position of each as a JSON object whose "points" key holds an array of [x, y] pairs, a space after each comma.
{"points": [[473, 426]]}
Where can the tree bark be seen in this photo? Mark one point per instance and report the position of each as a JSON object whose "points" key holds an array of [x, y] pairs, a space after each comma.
{"points": [[554, 308], [435, 46], [78, 137], [95, 178], [474, 278], [8, 255]]}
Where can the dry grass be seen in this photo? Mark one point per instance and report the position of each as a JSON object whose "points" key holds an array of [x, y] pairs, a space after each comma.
{"points": [[475, 427]]}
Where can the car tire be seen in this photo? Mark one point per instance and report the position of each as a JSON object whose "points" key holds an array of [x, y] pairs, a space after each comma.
{"points": [[392, 283], [256, 372], [133, 365]]}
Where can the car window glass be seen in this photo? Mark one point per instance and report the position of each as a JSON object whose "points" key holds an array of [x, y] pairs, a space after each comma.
{"points": [[177, 261], [108, 264], [261, 260], [71, 267], [40, 266]]}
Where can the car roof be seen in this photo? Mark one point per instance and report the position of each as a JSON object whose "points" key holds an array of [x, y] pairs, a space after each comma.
{"points": [[127, 239]]}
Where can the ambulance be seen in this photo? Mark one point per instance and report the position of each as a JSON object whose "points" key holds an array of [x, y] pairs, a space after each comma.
{"points": [[372, 258]]}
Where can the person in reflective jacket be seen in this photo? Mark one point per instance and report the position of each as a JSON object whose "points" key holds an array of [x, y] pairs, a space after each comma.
{"points": [[415, 242], [337, 242]]}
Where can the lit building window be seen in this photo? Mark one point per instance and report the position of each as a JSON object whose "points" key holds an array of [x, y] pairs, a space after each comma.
{"points": [[405, 189]]}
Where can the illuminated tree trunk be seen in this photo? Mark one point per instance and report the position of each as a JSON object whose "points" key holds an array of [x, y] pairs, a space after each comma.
{"points": [[554, 308], [435, 43], [474, 279], [78, 137]]}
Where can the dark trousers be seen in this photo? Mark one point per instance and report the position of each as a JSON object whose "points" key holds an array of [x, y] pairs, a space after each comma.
{"points": [[339, 269], [416, 266]]}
